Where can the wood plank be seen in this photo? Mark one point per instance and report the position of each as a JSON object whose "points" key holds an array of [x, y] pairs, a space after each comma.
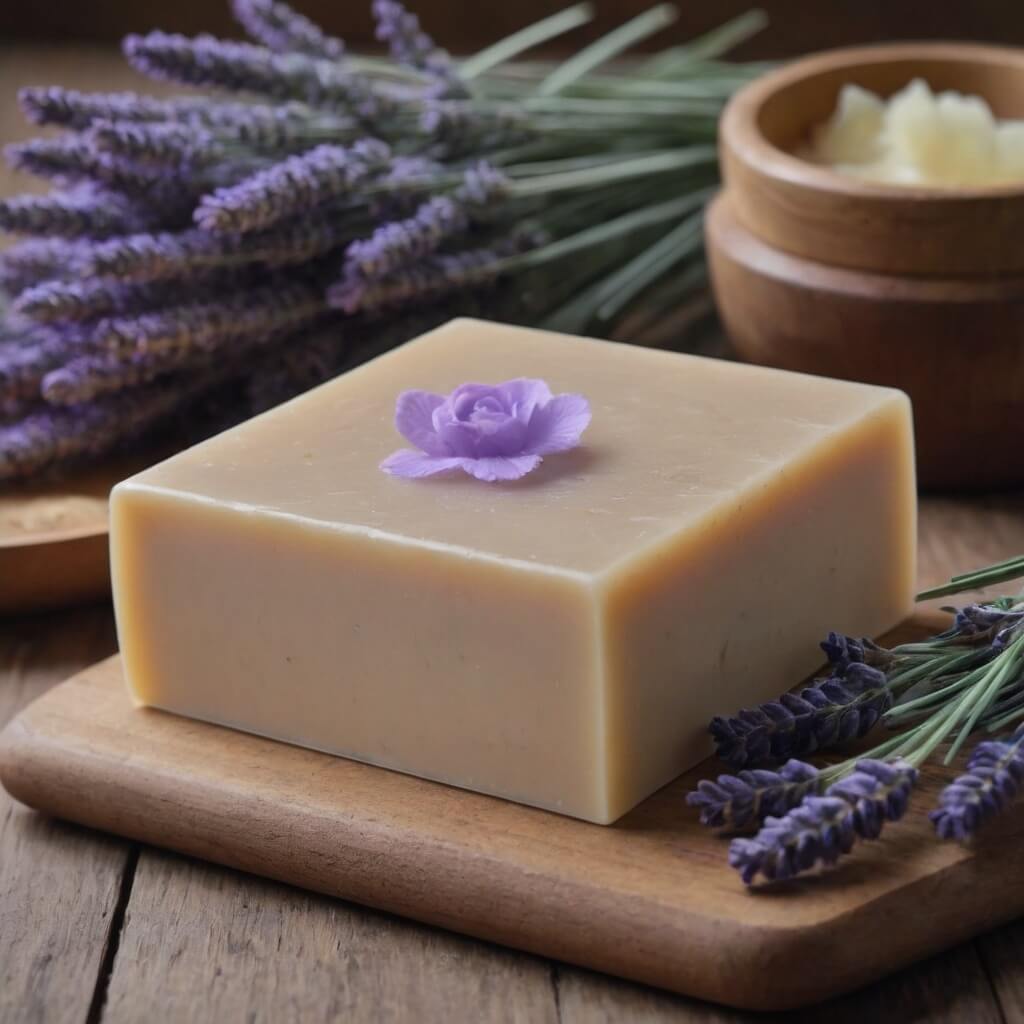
{"points": [[650, 898], [205, 943], [1002, 954], [59, 884]]}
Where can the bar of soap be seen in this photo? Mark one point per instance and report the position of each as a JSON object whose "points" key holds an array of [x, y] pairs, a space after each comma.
{"points": [[561, 640]]}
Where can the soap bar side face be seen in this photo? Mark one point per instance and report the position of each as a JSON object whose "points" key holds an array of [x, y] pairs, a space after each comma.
{"points": [[733, 612], [465, 671]]}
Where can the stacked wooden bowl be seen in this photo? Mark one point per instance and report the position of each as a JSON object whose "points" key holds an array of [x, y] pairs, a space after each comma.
{"points": [[917, 288]]}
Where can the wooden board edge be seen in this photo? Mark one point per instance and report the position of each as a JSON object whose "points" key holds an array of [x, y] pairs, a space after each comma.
{"points": [[61, 774]]}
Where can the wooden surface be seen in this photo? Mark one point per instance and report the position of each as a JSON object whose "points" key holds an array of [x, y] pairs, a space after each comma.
{"points": [[955, 346], [110, 930], [650, 898], [843, 221]]}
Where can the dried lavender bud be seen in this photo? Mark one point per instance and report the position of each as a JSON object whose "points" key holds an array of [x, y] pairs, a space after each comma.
{"points": [[428, 279], [984, 623], [71, 158], [397, 244], [291, 187], [74, 109], [141, 348], [410, 45], [151, 257], [54, 435], [36, 259], [394, 245], [92, 212], [207, 61], [85, 300], [822, 828], [458, 127], [284, 30], [736, 801], [25, 361], [822, 716], [994, 773], [843, 651], [160, 144]]}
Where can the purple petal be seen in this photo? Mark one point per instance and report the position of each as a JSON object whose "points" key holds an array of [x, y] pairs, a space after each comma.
{"points": [[524, 395], [557, 426], [413, 418], [501, 468], [413, 465]]}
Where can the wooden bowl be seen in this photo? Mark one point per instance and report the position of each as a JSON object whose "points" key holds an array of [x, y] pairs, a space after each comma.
{"points": [[956, 346], [912, 287], [811, 211]]}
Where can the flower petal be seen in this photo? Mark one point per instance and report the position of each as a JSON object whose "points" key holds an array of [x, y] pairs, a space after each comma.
{"points": [[501, 468], [414, 419], [557, 426], [524, 395], [414, 465]]}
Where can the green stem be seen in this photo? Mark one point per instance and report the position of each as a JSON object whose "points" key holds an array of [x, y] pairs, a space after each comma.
{"points": [[525, 39], [607, 47], [1001, 572], [713, 44], [634, 167]]}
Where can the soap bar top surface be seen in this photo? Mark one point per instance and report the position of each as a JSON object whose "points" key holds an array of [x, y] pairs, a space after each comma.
{"points": [[673, 438]]}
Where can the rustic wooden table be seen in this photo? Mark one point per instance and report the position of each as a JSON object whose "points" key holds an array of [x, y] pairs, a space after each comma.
{"points": [[93, 928]]}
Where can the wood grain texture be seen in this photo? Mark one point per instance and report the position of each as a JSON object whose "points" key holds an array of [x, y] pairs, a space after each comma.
{"points": [[955, 346], [650, 898], [58, 884], [842, 221], [203, 943]]}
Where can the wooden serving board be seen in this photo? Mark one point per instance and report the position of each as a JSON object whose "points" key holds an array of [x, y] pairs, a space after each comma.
{"points": [[650, 898]]}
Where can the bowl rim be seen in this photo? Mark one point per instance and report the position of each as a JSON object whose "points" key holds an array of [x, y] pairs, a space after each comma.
{"points": [[741, 131]]}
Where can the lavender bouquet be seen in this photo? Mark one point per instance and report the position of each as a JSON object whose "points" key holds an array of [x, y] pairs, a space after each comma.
{"points": [[934, 695], [204, 256]]}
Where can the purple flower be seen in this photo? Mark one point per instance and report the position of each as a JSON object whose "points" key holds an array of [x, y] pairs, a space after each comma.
{"points": [[284, 30], [751, 796], [410, 45], [292, 187], [994, 773], [825, 715], [822, 828], [498, 432]]}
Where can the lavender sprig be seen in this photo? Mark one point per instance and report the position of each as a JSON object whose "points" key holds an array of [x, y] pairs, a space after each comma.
{"points": [[736, 801], [819, 717], [291, 187], [36, 259], [83, 212], [242, 67], [820, 829], [410, 45], [284, 30], [430, 278], [994, 773]]}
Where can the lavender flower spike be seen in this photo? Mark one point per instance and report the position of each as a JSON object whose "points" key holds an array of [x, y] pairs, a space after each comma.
{"points": [[411, 46], [37, 259], [499, 432], [207, 61], [403, 242], [825, 715], [291, 187], [283, 30], [736, 801], [90, 212], [822, 828], [995, 772]]}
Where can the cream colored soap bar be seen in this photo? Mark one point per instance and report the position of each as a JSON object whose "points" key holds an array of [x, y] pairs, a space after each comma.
{"points": [[561, 640]]}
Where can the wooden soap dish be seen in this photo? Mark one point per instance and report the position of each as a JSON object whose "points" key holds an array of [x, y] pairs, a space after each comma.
{"points": [[917, 288]]}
